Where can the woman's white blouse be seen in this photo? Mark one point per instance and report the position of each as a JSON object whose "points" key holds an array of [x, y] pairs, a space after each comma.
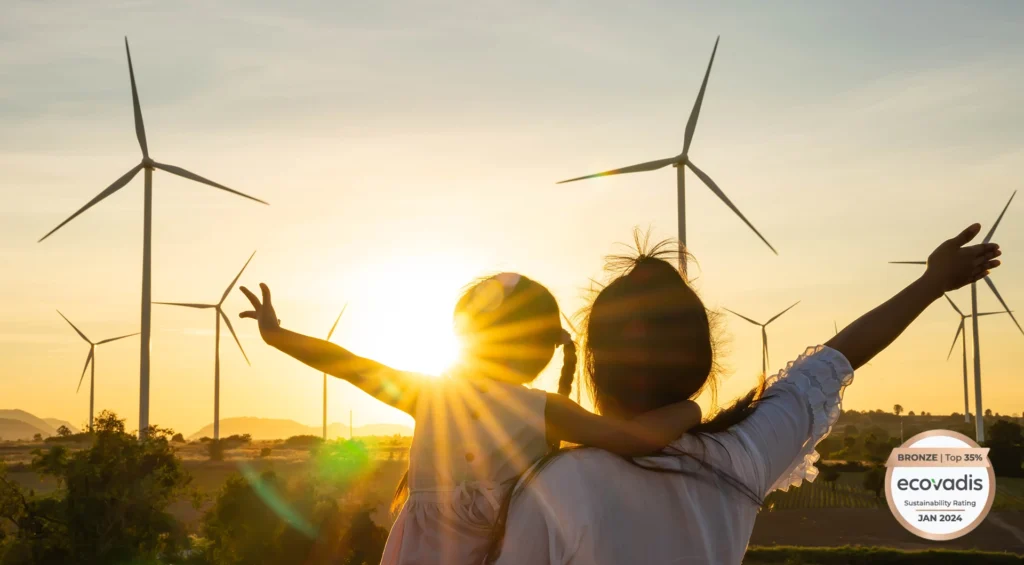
{"points": [[592, 507]]}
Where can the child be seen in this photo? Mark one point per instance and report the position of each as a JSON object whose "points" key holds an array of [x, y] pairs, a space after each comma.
{"points": [[478, 429]]}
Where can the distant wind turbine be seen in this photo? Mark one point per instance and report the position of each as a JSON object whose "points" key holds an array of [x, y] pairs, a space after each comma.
{"points": [[147, 164], [329, 334], [764, 334], [979, 421], [218, 314], [91, 361], [960, 329], [681, 161]]}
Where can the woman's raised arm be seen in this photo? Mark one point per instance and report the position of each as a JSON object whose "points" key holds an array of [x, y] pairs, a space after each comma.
{"points": [[391, 386], [950, 266]]}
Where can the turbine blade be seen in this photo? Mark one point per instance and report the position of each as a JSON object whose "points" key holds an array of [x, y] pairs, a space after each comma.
{"points": [[959, 329], [764, 346], [991, 232], [116, 338], [718, 191], [775, 317], [648, 166], [835, 327], [908, 262], [232, 285], [992, 285], [742, 316], [192, 176], [188, 305], [84, 369], [691, 124], [140, 130], [75, 327], [990, 313], [336, 320], [233, 334], [117, 185], [952, 304]]}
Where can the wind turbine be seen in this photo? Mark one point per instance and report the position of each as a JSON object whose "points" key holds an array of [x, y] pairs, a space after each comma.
{"points": [[680, 162], [218, 314], [91, 361], [329, 334], [979, 420], [764, 334], [960, 328], [147, 164]]}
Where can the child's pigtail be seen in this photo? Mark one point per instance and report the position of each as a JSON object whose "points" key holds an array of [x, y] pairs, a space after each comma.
{"points": [[568, 364]]}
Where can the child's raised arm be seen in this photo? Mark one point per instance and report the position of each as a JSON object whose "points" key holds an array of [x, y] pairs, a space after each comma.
{"points": [[950, 266], [397, 388], [643, 435]]}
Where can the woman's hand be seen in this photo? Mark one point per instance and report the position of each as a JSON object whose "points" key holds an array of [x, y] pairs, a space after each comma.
{"points": [[263, 313], [952, 266]]}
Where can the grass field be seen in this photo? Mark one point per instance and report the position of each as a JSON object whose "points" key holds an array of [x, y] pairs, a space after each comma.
{"points": [[849, 493]]}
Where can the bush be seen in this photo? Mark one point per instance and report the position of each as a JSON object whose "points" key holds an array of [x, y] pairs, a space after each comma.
{"points": [[178, 438], [215, 450], [874, 480], [119, 480], [303, 442], [265, 452]]}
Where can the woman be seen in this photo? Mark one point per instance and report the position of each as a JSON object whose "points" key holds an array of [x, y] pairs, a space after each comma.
{"points": [[649, 343]]}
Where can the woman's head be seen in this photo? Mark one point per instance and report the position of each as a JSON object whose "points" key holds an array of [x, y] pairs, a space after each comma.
{"points": [[509, 326], [648, 337]]}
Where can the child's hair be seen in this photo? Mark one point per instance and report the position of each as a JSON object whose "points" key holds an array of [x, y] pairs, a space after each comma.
{"points": [[510, 326]]}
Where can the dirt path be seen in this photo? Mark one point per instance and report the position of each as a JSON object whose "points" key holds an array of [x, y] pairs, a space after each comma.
{"points": [[830, 527]]}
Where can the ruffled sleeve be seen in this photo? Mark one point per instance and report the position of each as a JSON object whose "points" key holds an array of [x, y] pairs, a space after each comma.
{"points": [[818, 377], [798, 409]]}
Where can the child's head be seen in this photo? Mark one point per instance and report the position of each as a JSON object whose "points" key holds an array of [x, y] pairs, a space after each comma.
{"points": [[510, 326]]}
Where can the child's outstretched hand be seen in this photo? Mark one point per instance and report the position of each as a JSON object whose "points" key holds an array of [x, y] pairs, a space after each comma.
{"points": [[952, 265], [263, 313]]}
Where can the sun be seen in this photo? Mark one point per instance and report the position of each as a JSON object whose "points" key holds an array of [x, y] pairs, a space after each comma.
{"points": [[402, 312]]}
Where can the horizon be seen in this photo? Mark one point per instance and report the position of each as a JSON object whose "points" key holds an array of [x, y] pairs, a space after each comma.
{"points": [[405, 154]]}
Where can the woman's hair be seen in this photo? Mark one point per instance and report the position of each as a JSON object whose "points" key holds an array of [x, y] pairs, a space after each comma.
{"points": [[649, 342], [510, 326]]}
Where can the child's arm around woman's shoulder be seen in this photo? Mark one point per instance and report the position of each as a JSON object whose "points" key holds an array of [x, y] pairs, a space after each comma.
{"points": [[646, 434], [397, 388]]}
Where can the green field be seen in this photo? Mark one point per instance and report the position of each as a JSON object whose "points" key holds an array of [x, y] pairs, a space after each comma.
{"points": [[848, 493]]}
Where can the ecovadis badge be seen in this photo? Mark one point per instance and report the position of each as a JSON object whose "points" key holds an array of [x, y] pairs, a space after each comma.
{"points": [[939, 484]]}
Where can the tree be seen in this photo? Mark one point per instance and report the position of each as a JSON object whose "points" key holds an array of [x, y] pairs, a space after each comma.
{"points": [[178, 438], [897, 409], [988, 412], [110, 505], [874, 480], [37, 437], [850, 430], [911, 413], [830, 475], [64, 431]]}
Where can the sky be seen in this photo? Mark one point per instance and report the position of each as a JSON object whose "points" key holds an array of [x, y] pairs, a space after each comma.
{"points": [[406, 148]]}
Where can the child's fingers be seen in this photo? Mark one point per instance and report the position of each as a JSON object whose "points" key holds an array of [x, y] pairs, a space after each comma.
{"points": [[978, 276], [248, 314], [986, 257], [252, 297], [266, 294]]}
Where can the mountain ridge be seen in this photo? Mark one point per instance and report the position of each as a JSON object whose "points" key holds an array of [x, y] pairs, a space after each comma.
{"points": [[283, 428]]}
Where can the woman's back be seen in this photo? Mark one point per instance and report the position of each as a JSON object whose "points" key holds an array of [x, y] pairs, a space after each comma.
{"points": [[589, 506]]}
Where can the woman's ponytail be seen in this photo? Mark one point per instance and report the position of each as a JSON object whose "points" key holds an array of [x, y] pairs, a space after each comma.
{"points": [[568, 364]]}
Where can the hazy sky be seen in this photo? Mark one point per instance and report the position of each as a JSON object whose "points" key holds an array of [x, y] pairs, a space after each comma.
{"points": [[407, 147]]}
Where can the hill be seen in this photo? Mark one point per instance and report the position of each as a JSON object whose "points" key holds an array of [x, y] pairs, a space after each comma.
{"points": [[41, 425], [271, 428], [12, 430], [57, 423]]}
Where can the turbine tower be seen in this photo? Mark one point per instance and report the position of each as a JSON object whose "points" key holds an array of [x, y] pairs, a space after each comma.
{"points": [[979, 420], [91, 361], [680, 162], [147, 164], [960, 329], [218, 314], [329, 334], [764, 334]]}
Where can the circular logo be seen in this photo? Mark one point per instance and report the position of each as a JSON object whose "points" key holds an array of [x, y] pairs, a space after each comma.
{"points": [[939, 484]]}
